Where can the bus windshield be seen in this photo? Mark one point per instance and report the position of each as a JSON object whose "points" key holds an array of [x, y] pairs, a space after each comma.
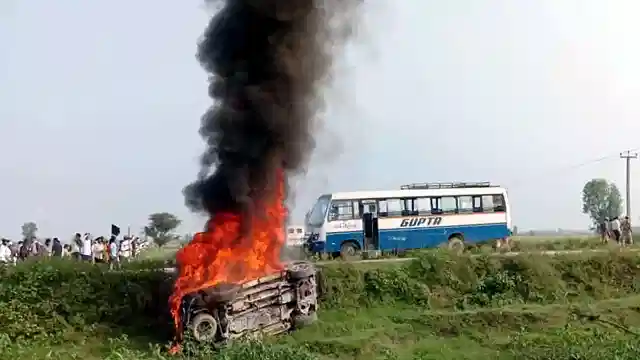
{"points": [[316, 216]]}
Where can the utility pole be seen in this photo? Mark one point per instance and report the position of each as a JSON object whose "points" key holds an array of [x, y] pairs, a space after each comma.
{"points": [[628, 155]]}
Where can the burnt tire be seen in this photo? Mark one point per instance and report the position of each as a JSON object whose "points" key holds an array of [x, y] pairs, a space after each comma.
{"points": [[301, 270], [222, 293], [348, 250], [456, 244], [302, 321], [204, 327]]}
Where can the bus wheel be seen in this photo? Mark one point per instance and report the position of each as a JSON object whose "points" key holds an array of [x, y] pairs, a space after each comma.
{"points": [[456, 244], [348, 250]]}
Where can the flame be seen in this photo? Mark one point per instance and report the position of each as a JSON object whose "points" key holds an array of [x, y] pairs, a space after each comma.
{"points": [[225, 254]]}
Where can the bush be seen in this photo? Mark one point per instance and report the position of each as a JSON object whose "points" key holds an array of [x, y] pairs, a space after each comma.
{"points": [[441, 280], [53, 296]]}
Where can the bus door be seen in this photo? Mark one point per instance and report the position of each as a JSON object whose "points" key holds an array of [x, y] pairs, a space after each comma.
{"points": [[371, 234]]}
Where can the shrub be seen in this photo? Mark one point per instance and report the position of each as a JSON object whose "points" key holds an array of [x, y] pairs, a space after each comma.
{"points": [[52, 296], [441, 280]]}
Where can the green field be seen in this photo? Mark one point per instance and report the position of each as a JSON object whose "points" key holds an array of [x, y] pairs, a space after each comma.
{"points": [[440, 306]]}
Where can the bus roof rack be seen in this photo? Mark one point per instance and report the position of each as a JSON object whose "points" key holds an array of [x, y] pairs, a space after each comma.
{"points": [[445, 185]]}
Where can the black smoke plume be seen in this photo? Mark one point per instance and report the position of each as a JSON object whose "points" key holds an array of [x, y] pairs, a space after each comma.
{"points": [[268, 61]]}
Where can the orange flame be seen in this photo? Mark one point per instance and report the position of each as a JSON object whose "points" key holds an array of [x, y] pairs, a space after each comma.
{"points": [[224, 254]]}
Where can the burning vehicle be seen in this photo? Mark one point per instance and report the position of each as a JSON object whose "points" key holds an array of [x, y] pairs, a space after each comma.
{"points": [[267, 62], [269, 305]]}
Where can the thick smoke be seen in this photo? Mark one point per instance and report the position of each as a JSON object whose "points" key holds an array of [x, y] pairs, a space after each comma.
{"points": [[268, 61]]}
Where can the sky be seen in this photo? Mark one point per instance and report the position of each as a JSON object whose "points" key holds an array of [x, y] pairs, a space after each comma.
{"points": [[100, 104]]}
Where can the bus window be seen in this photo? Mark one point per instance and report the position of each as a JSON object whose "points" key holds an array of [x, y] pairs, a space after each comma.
{"points": [[382, 205], [409, 207], [369, 207], [299, 231], [356, 209], [341, 210], [444, 205], [315, 217], [394, 207], [465, 204], [435, 206], [291, 230], [487, 203], [498, 203], [477, 204], [423, 206], [448, 205]]}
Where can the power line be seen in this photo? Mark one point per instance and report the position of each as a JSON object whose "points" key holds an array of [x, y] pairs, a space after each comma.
{"points": [[576, 166]]}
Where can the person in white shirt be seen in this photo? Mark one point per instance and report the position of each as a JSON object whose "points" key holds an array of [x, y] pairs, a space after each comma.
{"points": [[114, 261], [125, 249], [98, 251], [615, 229], [86, 250], [5, 253]]}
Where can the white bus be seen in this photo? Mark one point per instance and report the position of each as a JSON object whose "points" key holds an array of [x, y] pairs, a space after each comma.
{"points": [[416, 216]]}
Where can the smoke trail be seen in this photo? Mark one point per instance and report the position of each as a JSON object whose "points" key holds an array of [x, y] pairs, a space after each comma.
{"points": [[268, 60]]}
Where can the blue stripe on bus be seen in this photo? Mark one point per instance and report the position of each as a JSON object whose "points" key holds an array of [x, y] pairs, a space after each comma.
{"points": [[421, 237]]}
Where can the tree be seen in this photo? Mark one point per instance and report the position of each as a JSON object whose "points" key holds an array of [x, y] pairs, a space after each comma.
{"points": [[29, 230], [161, 226], [601, 200]]}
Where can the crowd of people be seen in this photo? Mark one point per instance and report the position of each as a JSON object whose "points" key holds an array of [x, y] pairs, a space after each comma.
{"points": [[112, 251], [616, 229]]}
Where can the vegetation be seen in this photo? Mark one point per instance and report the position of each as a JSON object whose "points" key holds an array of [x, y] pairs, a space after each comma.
{"points": [[29, 230], [439, 306], [161, 227], [601, 200]]}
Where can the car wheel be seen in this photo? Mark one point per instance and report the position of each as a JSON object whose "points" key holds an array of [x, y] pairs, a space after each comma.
{"points": [[204, 327], [301, 270]]}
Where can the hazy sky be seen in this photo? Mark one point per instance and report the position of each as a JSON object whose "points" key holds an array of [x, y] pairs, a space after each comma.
{"points": [[100, 104]]}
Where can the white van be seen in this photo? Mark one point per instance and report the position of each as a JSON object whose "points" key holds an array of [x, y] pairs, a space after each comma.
{"points": [[295, 235]]}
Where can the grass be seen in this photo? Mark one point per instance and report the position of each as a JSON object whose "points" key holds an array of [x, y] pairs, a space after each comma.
{"points": [[581, 306], [518, 332]]}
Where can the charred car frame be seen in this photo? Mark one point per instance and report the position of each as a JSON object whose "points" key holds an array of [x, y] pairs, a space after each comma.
{"points": [[269, 305]]}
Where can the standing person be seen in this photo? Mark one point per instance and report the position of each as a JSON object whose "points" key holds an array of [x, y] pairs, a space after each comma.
{"points": [[98, 250], [86, 249], [134, 247], [48, 247], [66, 250], [36, 248], [22, 250], [113, 254], [15, 251], [125, 250], [75, 246], [105, 251], [26, 248], [615, 228], [625, 230], [56, 248], [5, 253], [602, 231]]}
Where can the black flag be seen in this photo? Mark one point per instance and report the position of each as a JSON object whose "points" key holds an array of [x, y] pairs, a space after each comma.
{"points": [[115, 230]]}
